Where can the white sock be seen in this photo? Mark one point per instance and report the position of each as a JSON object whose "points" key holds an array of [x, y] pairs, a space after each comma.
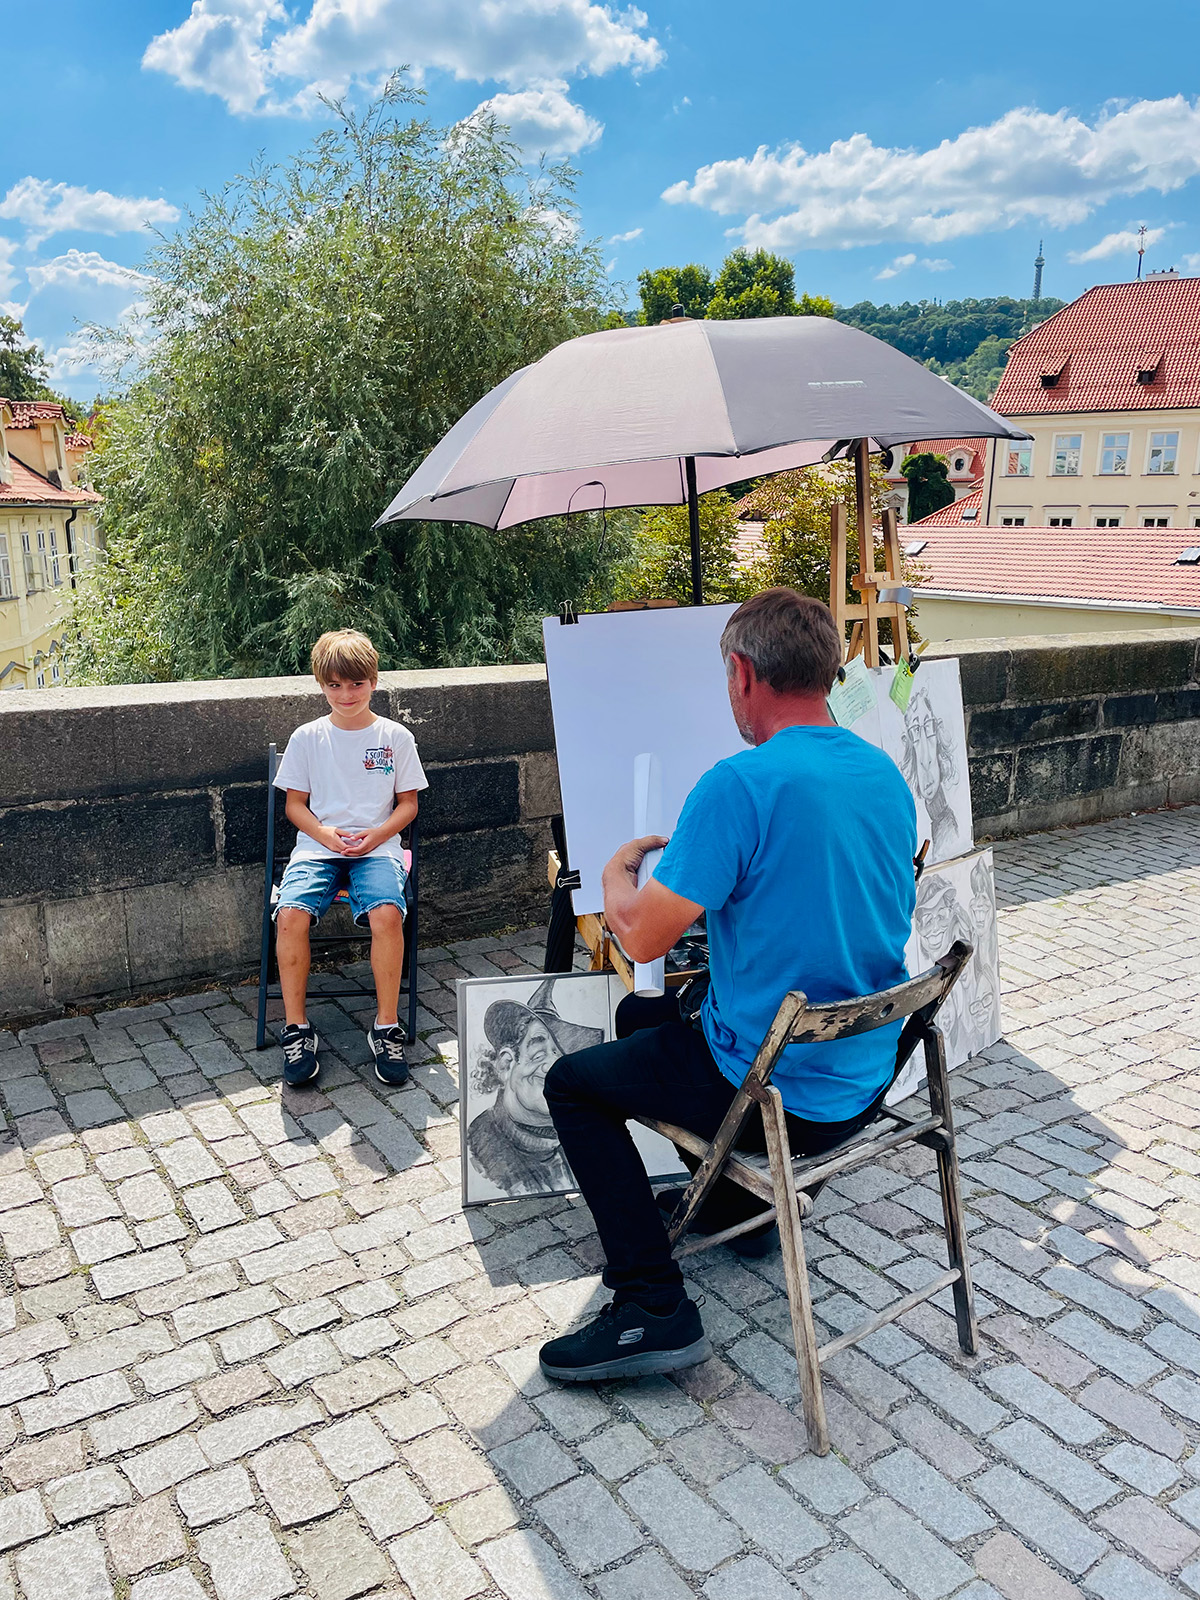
{"points": [[379, 1024]]}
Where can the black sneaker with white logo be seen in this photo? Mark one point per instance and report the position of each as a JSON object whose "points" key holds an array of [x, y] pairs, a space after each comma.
{"points": [[626, 1342], [300, 1064], [387, 1046]]}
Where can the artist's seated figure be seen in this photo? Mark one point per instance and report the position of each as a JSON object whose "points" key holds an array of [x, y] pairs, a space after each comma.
{"points": [[800, 849]]}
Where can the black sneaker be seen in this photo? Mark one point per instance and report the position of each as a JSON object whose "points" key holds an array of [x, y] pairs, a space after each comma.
{"points": [[626, 1342], [750, 1246], [300, 1064], [387, 1046]]}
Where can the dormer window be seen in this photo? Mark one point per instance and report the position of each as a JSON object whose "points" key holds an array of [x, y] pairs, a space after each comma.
{"points": [[959, 463], [971, 514], [1052, 371], [1148, 365]]}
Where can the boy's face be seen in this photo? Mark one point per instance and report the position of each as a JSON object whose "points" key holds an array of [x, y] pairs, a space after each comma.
{"points": [[349, 697]]}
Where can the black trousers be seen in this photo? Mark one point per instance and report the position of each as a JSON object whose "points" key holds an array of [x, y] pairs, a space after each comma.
{"points": [[658, 1066]]}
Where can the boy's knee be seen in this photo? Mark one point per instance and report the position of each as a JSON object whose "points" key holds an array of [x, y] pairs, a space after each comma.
{"points": [[292, 920], [386, 920]]}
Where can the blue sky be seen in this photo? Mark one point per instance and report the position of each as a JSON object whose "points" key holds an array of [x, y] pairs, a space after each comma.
{"points": [[889, 159]]}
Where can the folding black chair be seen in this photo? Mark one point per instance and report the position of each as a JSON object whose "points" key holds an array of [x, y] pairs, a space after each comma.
{"points": [[788, 1186], [268, 970]]}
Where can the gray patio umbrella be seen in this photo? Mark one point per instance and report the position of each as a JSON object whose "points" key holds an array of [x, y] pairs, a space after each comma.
{"points": [[655, 416]]}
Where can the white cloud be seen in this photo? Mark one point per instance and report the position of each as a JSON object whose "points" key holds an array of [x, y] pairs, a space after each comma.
{"points": [[543, 121], [8, 273], [561, 227], [79, 267], [626, 238], [259, 60], [1117, 244], [1028, 166], [902, 264], [1191, 263], [899, 265], [47, 208]]}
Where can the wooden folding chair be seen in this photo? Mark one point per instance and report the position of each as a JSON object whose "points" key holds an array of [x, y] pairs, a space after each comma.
{"points": [[782, 1182]]}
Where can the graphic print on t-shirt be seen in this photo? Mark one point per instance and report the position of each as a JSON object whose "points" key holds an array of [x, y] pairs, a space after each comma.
{"points": [[379, 760]]}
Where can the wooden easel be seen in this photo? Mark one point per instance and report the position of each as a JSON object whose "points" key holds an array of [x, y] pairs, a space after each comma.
{"points": [[607, 955], [865, 616]]}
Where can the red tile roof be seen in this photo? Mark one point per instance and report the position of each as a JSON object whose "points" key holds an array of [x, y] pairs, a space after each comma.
{"points": [[27, 413], [945, 447], [952, 516], [77, 441], [29, 488], [1130, 566], [1100, 342]]}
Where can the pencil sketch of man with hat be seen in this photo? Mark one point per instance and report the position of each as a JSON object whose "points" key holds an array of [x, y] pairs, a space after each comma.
{"points": [[513, 1143]]}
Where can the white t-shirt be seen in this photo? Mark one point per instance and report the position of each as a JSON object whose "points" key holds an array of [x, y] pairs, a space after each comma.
{"points": [[351, 777]]}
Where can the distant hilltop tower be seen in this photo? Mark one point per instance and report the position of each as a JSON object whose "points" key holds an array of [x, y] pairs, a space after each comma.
{"points": [[1037, 273]]}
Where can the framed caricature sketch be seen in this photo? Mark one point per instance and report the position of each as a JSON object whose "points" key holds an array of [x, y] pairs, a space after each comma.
{"points": [[928, 742], [511, 1031]]}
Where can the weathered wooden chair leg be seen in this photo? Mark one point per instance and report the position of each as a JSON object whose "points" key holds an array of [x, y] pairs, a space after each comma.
{"points": [[795, 1270], [952, 1209]]}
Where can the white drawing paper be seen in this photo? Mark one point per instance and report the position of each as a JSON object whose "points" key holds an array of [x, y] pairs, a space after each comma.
{"points": [[624, 683], [957, 900], [511, 1031], [649, 978]]}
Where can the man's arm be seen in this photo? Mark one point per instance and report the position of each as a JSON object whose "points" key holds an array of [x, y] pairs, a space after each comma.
{"points": [[647, 921]]}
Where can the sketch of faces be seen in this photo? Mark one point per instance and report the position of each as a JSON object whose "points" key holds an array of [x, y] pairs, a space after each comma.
{"points": [[929, 745], [928, 763]]}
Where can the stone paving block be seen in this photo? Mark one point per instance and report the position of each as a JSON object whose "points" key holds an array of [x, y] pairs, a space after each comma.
{"points": [[244, 1560], [692, 1533], [164, 1465], [772, 1519], [646, 1577], [225, 1441], [389, 1502], [1039, 1351], [904, 1548], [846, 1576], [916, 1485], [85, 1494], [353, 1448], [618, 1451], [752, 1578], [1037, 1454], [1127, 1360], [188, 1364], [588, 1524], [79, 1201], [1039, 1519], [1142, 1468], [1018, 1573], [958, 1398], [1026, 1391], [1134, 1414], [139, 1425], [1119, 1578], [341, 1562], [435, 1567], [533, 1464], [22, 1517], [75, 1403], [1157, 1536], [178, 1584], [29, 1231], [67, 1566], [56, 1456], [1074, 1283], [304, 1359], [115, 1279], [295, 1485], [361, 1385], [144, 1535], [214, 1496], [704, 1453]]}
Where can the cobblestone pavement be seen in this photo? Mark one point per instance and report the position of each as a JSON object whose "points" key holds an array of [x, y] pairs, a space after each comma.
{"points": [[251, 1346]]}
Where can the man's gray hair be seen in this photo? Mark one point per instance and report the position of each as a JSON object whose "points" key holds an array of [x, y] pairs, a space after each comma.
{"points": [[789, 639]]}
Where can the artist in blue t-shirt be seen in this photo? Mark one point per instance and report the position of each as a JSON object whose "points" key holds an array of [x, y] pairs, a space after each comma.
{"points": [[800, 850]]}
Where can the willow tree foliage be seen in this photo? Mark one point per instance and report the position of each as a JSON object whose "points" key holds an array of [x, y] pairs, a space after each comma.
{"points": [[317, 327]]}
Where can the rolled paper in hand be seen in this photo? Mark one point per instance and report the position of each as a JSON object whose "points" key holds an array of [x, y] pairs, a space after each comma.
{"points": [[649, 977]]}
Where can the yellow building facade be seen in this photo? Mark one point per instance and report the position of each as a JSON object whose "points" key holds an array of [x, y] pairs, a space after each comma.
{"points": [[48, 536]]}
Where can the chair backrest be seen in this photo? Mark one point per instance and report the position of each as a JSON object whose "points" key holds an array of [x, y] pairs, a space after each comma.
{"points": [[919, 999]]}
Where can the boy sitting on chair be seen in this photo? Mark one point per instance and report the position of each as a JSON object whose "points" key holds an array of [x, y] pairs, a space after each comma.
{"points": [[351, 780]]}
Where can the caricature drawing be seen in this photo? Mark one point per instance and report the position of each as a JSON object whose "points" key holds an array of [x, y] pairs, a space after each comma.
{"points": [[930, 766]]}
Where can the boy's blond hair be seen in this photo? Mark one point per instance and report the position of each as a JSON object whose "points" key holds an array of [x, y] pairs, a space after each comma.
{"points": [[345, 653]]}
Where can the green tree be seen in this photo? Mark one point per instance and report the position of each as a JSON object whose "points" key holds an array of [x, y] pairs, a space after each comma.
{"points": [[797, 532], [319, 326], [929, 486], [22, 364], [663, 289], [659, 565]]}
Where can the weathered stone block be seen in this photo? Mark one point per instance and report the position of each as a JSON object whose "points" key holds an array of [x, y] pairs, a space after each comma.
{"points": [[85, 941], [1005, 726], [470, 796], [1100, 664], [540, 795], [1049, 773], [983, 671], [23, 988], [62, 849], [991, 786], [245, 808]]}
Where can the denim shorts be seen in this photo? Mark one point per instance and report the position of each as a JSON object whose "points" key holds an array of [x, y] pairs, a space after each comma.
{"points": [[311, 883]]}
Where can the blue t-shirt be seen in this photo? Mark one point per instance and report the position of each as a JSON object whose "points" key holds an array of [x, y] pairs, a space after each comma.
{"points": [[800, 850]]}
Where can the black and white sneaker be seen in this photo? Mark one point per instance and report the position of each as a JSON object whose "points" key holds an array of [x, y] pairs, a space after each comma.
{"points": [[387, 1046], [626, 1342], [300, 1064]]}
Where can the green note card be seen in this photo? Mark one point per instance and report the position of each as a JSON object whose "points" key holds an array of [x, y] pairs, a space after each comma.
{"points": [[852, 699], [901, 690]]}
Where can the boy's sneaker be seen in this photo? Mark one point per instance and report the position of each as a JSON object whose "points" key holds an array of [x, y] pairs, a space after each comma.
{"points": [[300, 1064], [750, 1246], [387, 1046], [626, 1342]]}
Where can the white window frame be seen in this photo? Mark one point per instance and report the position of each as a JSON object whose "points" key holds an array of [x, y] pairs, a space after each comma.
{"points": [[31, 575], [55, 672], [1161, 471], [43, 558], [1156, 522], [55, 570], [1108, 522], [1023, 453], [40, 677], [1065, 452], [6, 586], [1119, 452], [1060, 522], [1012, 522]]}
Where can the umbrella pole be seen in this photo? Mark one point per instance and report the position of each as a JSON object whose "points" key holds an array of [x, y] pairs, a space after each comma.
{"points": [[689, 470]]}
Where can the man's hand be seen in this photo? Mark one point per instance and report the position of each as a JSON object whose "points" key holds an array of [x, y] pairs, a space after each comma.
{"points": [[629, 857], [361, 844]]}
